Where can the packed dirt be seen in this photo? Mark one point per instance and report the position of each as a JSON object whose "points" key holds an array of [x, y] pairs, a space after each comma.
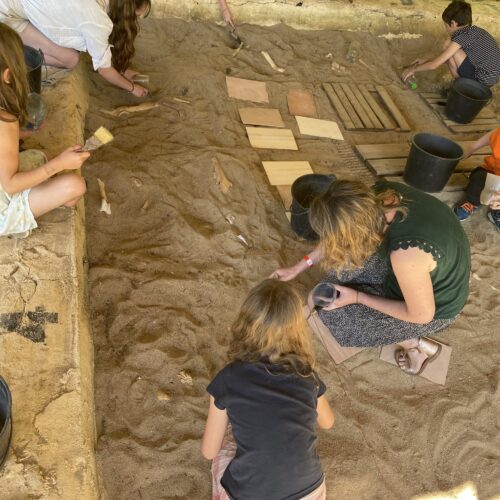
{"points": [[168, 273]]}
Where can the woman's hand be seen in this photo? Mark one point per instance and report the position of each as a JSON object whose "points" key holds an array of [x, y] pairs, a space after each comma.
{"points": [[407, 73], [285, 273], [495, 201], [129, 74], [139, 91], [346, 297], [71, 159]]}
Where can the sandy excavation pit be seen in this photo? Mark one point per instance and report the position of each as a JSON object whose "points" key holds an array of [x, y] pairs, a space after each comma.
{"points": [[167, 274]]}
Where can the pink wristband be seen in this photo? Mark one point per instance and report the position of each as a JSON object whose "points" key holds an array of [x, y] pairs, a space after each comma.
{"points": [[308, 260]]}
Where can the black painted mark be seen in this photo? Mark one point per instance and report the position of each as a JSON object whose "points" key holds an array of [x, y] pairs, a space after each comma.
{"points": [[30, 325]]}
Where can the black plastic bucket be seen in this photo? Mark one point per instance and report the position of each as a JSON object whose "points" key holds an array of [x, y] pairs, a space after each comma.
{"points": [[431, 162], [5, 420], [304, 190], [34, 61], [466, 99]]}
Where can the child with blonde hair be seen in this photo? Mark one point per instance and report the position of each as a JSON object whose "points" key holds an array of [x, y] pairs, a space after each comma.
{"points": [[26, 195], [265, 404]]}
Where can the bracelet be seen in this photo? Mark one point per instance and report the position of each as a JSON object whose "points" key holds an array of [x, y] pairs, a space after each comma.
{"points": [[132, 89], [308, 260]]}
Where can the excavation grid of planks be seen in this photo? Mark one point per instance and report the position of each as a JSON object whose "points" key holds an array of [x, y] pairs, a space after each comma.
{"points": [[266, 130], [485, 121], [365, 106]]}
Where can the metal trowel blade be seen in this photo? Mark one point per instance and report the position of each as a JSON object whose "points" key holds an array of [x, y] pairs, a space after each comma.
{"points": [[235, 36]]}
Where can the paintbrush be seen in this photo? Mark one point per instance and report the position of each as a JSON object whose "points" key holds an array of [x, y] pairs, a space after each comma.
{"points": [[101, 137]]}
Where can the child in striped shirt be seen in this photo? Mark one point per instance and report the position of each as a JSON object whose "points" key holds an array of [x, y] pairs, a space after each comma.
{"points": [[469, 51]]}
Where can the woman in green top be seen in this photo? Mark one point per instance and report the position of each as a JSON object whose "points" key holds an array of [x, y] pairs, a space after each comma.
{"points": [[400, 260]]}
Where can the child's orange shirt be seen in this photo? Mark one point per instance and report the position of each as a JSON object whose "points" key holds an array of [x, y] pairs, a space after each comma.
{"points": [[492, 163]]}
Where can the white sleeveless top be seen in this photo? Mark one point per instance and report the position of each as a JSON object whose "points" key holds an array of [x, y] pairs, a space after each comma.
{"points": [[83, 25]]}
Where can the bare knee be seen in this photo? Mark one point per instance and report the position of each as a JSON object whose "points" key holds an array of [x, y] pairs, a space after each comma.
{"points": [[71, 59], [74, 188]]}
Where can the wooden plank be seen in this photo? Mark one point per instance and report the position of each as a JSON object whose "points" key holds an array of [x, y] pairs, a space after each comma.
{"points": [[484, 113], [476, 121], [367, 122], [347, 105], [391, 105], [387, 166], [364, 104], [426, 95], [319, 128], [334, 349], [462, 129], [301, 102], [247, 90], [450, 198], [261, 116], [285, 193], [401, 150], [339, 107], [271, 138], [284, 173], [457, 182], [396, 166], [381, 114]]}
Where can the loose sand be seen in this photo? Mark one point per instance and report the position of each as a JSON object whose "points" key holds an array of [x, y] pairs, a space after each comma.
{"points": [[167, 274]]}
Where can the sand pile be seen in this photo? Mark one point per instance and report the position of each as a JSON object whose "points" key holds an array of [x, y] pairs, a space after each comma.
{"points": [[167, 273]]}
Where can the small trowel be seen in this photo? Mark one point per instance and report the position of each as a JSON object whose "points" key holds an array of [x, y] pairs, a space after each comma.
{"points": [[232, 32]]}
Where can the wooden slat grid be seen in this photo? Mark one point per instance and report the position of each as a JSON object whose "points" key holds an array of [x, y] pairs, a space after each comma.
{"points": [[485, 121], [389, 161], [363, 106]]}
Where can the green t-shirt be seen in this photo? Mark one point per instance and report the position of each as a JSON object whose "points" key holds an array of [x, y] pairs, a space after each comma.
{"points": [[432, 226]]}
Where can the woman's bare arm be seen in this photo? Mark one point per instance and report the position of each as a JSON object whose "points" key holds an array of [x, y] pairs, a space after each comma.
{"points": [[113, 77], [434, 63], [289, 273], [412, 268]]}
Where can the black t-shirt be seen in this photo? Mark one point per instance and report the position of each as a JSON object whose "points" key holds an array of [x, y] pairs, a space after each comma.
{"points": [[273, 416]]}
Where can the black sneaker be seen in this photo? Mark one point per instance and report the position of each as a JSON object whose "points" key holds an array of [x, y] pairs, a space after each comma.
{"points": [[494, 218]]}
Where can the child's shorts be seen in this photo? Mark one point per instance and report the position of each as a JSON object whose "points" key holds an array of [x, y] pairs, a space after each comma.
{"points": [[467, 70], [16, 217]]}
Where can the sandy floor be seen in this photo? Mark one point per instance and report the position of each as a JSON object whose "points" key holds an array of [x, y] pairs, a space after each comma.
{"points": [[167, 274]]}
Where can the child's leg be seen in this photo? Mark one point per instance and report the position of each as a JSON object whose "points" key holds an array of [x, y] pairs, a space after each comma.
{"points": [[64, 190], [220, 463], [477, 180], [54, 55], [455, 61]]}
